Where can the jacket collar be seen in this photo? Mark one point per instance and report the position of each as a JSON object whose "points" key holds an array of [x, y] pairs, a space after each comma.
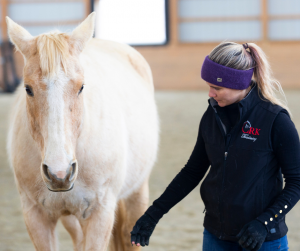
{"points": [[247, 103]]}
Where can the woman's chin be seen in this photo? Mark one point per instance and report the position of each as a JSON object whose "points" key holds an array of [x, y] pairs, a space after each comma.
{"points": [[220, 103]]}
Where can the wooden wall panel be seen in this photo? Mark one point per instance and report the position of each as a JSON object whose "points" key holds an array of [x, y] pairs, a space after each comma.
{"points": [[179, 68], [3, 22]]}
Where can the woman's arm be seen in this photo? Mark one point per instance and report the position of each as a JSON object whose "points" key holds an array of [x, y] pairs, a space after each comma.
{"points": [[184, 182], [285, 142]]}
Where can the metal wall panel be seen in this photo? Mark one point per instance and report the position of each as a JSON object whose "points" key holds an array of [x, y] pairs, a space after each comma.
{"points": [[218, 8], [283, 7], [284, 29], [219, 31], [45, 12]]}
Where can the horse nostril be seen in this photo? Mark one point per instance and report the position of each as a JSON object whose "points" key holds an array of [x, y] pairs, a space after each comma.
{"points": [[46, 172], [73, 170]]}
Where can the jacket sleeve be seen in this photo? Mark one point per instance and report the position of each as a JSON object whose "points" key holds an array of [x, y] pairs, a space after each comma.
{"points": [[184, 182], [285, 143]]}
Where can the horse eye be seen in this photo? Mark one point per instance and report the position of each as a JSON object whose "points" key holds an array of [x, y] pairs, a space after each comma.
{"points": [[80, 89], [29, 91]]}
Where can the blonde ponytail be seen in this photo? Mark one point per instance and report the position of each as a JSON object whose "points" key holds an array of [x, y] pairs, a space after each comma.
{"points": [[235, 55], [263, 77]]}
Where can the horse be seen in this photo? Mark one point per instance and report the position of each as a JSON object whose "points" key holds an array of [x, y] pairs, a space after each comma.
{"points": [[83, 137]]}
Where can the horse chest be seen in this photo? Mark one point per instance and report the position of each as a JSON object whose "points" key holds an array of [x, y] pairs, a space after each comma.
{"points": [[58, 204]]}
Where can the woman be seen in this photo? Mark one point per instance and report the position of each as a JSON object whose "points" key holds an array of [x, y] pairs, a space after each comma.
{"points": [[247, 137]]}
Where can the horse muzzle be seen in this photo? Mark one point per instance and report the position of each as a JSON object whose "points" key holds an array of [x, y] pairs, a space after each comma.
{"points": [[61, 181]]}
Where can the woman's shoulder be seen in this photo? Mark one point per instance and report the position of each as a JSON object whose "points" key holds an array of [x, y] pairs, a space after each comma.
{"points": [[283, 120], [268, 105], [273, 108], [284, 132]]}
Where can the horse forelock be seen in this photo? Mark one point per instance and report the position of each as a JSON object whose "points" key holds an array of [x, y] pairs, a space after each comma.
{"points": [[53, 50]]}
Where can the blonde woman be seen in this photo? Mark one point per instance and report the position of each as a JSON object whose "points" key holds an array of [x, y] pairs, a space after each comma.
{"points": [[247, 138]]}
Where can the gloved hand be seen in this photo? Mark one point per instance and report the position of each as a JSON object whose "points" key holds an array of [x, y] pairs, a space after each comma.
{"points": [[142, 230], [252, 235]]}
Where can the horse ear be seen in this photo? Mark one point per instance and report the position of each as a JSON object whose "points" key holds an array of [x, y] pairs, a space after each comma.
{"points": [[20, 37], [84, 32]]}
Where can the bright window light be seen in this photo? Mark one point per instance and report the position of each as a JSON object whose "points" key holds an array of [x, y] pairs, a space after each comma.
{"points": [[134, 22]]}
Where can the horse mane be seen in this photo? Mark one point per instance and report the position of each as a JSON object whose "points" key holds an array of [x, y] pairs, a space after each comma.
{"points": [[53, 49]]}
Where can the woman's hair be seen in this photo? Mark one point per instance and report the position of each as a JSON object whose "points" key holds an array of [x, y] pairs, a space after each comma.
{"points": [[235, 56]]}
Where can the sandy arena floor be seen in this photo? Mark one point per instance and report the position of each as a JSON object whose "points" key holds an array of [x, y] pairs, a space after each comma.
{"points": [[181, 228]]}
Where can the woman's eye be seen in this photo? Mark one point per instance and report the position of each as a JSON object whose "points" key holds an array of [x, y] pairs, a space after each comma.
{"points": [[80, 89], [29, 91]]}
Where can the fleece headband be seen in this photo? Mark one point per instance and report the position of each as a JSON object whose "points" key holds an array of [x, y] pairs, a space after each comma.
{"points": [[224, 76]]}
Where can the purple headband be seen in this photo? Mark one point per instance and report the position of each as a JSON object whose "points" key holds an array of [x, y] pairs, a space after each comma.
{"points": [[225, 76]]}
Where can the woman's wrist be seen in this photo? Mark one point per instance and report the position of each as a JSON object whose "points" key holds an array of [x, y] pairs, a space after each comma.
{"points": [[155, 213]]}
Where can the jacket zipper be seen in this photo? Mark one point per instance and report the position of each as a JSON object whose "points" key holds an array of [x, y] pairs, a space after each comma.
{"points": [[227, 141], [225, 155]]}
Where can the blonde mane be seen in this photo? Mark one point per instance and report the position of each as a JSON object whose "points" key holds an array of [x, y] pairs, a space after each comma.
{"points": [[53, 49]]}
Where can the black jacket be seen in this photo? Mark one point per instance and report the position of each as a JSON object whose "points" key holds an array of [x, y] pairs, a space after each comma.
{"points": [[245, 179]]}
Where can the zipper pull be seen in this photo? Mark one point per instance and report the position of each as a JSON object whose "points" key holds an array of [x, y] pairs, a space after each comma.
{"points": [[204, 210], [226, 153]]}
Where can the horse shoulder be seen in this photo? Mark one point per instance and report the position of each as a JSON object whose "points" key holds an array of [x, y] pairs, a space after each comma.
{"points": [[139, 63], [130, 55]]}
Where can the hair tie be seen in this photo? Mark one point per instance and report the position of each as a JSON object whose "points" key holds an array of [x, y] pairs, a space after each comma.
{"points": [[245, 46]]}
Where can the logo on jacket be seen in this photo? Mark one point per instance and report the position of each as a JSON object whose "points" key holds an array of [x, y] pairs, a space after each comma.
{"points": [[248, 131]]}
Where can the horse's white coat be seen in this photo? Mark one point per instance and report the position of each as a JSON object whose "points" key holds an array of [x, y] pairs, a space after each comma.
{"points": [[57, 156], [115, 150]]}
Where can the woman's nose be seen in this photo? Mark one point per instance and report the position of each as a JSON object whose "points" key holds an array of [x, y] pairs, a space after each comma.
{"points": [[211, 93]]}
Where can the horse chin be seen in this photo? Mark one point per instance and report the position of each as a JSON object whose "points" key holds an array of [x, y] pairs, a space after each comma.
{"points": [[60, 189]]}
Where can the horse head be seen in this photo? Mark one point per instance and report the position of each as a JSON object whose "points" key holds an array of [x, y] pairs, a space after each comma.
{"points": [[53, 85]]}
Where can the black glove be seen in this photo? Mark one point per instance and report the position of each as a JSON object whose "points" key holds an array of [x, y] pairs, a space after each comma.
{"points": [[252, 235], [142, 230]]}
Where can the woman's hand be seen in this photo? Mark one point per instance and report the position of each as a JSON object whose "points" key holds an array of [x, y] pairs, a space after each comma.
{"points": [[252, 235], [142, 230]]}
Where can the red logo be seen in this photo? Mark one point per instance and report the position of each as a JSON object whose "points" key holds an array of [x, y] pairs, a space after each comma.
{"points": [[248, 129]]}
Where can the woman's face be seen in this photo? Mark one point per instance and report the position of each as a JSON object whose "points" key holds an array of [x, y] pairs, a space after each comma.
{"points": [[226, 96]]}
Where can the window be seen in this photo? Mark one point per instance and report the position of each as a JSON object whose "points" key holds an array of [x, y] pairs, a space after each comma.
{"points": [[43, 16], [218, 20], [284, 23], [200, 21], [134, 22]]}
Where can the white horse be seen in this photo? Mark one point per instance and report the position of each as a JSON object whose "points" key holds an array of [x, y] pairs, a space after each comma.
{"points": [[83, 137]]}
